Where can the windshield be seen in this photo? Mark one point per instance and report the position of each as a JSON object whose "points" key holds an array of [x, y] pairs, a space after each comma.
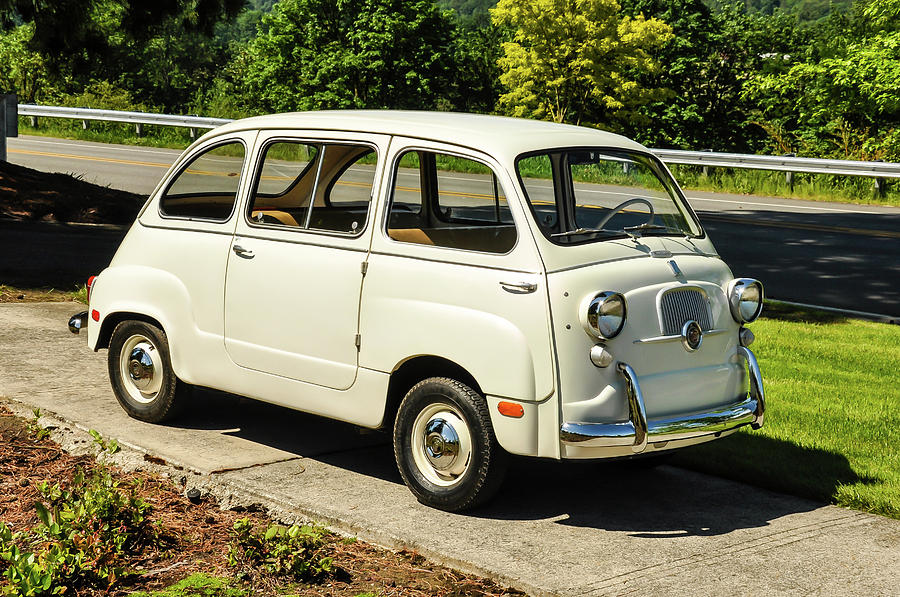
{"points": [[588, 195]]}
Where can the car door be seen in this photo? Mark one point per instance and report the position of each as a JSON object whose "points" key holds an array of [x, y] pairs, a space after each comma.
{"points": [[295, 267]]}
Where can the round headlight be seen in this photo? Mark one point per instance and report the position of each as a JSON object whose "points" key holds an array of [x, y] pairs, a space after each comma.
{"points": [[606, 314], [745, 298]]}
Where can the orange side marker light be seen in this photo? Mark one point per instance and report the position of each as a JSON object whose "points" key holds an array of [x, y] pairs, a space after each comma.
{"points": [[511, 409]]}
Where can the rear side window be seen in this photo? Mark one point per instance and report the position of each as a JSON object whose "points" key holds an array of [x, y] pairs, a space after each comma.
{"points": [[314, 186], [206, 189], [449, 201]]}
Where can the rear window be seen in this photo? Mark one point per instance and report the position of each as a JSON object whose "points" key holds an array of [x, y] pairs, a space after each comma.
{"points": [[206, 189]]}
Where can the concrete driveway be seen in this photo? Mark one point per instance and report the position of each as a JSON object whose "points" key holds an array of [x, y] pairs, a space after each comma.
{"points": [[556, 528]]}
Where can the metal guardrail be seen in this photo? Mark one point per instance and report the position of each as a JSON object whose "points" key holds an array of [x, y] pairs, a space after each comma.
{"points": [[198, 122], [780, 163], [705, 159]]}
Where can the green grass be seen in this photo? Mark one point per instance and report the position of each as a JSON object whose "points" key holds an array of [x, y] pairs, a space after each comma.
{"points": [[197, 585], [832, 427]]}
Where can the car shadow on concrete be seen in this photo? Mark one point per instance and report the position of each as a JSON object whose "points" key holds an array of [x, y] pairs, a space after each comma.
{"points": [[629, 496]]}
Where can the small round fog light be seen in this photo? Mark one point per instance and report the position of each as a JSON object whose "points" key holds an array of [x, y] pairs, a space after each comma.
{"points": [[600, 356], [691, 336]]}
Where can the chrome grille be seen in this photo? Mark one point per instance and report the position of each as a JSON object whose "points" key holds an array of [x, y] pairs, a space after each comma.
{"points": [[683, 305]]}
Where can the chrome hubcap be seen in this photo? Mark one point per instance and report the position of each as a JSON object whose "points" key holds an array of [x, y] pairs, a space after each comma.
{"points": [[140, 366], [441, 444], [141, 369]]}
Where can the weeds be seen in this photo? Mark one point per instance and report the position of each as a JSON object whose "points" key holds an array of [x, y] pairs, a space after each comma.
{"points": [[38, 431], [81, 540], [109, 446], [296, 551]]}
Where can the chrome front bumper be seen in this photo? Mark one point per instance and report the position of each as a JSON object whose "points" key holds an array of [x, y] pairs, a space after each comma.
{"points": [[638, 431]]}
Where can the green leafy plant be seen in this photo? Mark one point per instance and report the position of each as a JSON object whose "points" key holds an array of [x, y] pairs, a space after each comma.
{"points": [[110, 446], [295, 551], [81, 540], [35, 428]]}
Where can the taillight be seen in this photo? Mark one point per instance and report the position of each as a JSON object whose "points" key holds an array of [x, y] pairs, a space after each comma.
{"points": [[90, 284]]}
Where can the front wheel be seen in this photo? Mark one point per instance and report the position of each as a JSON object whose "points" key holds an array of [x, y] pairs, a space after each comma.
{"points": [[445, 447], [141, 373]]}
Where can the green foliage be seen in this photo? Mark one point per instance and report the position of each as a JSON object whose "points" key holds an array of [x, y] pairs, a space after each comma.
{"points": [[571, 61], [24, 71], [295, 551], [197, 585], [841, 100], [81, 540], [109, 446], [319, 54], [35, 428]]}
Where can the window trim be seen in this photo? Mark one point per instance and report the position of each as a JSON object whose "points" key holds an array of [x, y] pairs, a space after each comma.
{"points": [[392, 185], [658, 165], [260, 162], [196, 155]]}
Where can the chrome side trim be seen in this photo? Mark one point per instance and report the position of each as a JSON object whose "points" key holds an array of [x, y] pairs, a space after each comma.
{"points": [[78, 322], [675, 337], [638, 431]]}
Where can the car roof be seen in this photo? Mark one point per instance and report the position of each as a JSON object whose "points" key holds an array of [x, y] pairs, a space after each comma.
{"points": [[500, 136]]}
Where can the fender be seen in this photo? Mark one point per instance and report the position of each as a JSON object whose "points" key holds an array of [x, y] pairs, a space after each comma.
{"points": [[152, 293]]}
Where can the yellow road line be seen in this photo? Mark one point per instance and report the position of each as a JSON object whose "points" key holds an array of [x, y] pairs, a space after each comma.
{"points": [[89, 158]]}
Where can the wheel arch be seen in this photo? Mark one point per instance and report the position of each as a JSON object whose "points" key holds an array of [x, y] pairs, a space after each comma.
{"points": [[113, 319], [413, 370]]}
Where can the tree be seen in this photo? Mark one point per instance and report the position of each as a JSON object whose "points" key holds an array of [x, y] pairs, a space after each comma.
{"points": [[25, 71], [317, 54], [69, 34], [844, 101], [572, 60]]}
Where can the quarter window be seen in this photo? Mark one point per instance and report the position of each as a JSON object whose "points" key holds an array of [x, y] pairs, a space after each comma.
{"points": [[207, 188], [449, 201]]}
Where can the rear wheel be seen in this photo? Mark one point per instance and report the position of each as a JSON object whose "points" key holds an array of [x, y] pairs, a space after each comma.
{"points": [[141, 373], [445, 447]]}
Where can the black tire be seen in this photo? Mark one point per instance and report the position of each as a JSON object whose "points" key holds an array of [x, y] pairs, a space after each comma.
{"points": [[141, 373], [433, 411]]}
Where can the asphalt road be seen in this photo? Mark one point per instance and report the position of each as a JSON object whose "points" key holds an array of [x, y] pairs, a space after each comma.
{"points": [[836, 255], [555, 528]]}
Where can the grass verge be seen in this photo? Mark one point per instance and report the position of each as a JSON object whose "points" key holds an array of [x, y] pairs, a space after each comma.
{"points": [[832, 427], [12, 294]]}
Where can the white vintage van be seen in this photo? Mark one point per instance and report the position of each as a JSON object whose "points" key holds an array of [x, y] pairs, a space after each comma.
{"points": [[483, 286]]}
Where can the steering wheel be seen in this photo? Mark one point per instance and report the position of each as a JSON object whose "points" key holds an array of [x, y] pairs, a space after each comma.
{"points": [[624, 204]]}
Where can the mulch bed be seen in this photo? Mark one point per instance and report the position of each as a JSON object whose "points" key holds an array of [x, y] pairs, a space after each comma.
{"points": [[201, 533], [30, 195]]}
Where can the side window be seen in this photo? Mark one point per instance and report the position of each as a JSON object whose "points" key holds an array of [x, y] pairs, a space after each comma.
{"points": [[313, 186], [449, 201], [537, 178], [207, 188], [285, 184]]}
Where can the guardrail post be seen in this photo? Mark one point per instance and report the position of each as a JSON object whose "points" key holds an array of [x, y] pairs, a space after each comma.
{"points": [[789, 176], [9, 121], [880, 185], [33, 120], [706, 168], [139, 129]]}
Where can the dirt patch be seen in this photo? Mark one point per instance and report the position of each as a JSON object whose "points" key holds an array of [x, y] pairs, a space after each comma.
{"points": [[30, 195], [199, 533]]}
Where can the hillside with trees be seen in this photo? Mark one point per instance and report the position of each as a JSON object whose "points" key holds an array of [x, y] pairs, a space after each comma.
{"points": [[767, 76]]}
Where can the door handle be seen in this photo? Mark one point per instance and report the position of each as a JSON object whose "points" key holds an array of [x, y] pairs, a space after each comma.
{"points": [[242, 252], [519, 287]]}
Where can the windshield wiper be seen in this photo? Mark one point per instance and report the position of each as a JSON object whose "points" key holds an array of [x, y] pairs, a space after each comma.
{"points": [[646, 226], [584, 231]]}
